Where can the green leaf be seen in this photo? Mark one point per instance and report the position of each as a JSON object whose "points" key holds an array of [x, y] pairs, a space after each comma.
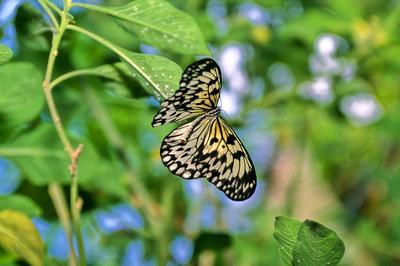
{"points": [[160, 24], [21, 97], [5, 54], [307, 243], [19, 236], [317, 245], [286, 235], [158, 75], [20, 203]]}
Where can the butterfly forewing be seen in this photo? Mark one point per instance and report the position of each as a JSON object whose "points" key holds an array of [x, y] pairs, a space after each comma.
{"points": [[198, 93]]}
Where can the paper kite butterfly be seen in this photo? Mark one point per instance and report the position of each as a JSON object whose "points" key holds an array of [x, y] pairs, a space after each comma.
{"points": [[205, 147]]}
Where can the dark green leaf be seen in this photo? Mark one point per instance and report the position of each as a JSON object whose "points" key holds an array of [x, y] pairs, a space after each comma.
{"points": [[212, 241], [21, 97]]}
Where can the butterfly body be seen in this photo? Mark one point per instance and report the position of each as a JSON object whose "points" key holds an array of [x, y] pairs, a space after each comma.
{"points": [[206, 147]]}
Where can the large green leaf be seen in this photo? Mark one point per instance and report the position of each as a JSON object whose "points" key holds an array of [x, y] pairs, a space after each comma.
{"points": [[286, 235], [20, 203], [5, 54], [21, 97], [317, 245], [19, 236], [307, 243], [158, 23]]}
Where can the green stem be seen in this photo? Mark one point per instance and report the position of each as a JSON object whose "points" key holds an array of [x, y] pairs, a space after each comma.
{"points": [[72, 153], [57, 196], [46, 8], [54, 7], [76, 207], [71, 74], [120, 52]]}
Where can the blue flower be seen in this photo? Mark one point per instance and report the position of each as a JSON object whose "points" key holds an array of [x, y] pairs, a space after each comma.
{"points": [[43, 227], [120, 217], [58, 245], [134, 255], [9, 177], [182, 249]]}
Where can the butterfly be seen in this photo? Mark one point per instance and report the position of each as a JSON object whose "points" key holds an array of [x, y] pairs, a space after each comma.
{"points": [[206, 146]]}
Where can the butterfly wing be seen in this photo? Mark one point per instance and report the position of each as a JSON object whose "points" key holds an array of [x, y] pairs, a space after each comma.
{"points": [[198, 93], [210, 149]]}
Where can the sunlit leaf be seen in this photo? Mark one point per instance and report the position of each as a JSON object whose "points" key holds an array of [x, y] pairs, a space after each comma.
{"points": [[160, 24], [5, 54], [19, 236], [158, 75]]}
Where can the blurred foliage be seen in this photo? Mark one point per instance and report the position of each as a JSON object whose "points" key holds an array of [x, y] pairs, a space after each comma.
{"points": [[312, 89]]}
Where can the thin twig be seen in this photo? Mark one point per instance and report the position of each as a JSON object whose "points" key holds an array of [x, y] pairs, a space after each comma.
{"points": [[58, 198], [72, 153]]}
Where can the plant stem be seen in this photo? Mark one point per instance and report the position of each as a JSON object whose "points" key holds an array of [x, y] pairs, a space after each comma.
{"points": [[49, 13], [57, 196], [120, 52], [72, 153], [72, 74]]}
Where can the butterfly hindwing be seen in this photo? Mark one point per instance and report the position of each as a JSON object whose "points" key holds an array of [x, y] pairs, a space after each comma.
{"points": [[209, 148], [198, 93]]}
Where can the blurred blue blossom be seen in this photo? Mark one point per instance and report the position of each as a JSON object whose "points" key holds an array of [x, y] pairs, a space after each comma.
{"points": [[208, 215], [194, 189], [235, 213], [134, 255], [95, 252], [254, 13], [58, 244], [10, 177], [325, 65], [120, 217], [8, 10], [281, 76], [231, 61], [217, 10], [182, 249], [319, 90], [361, 109], [43, 227]]}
